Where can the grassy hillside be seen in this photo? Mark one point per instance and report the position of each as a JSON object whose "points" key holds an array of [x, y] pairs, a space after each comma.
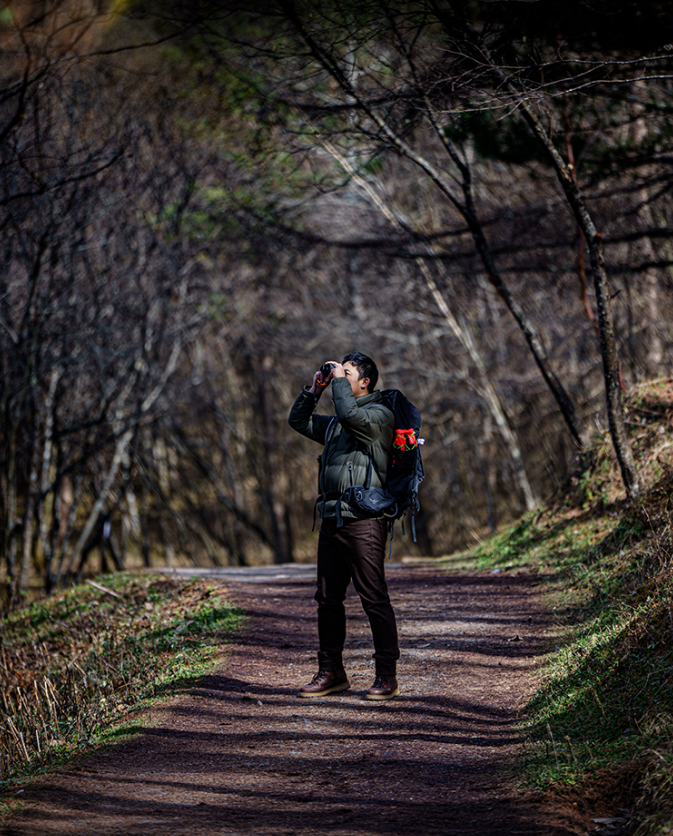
{"points": [[75, 664], [606, 708]]}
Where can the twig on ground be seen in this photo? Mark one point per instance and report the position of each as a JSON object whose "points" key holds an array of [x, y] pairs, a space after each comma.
{"points": [[104, 589]]}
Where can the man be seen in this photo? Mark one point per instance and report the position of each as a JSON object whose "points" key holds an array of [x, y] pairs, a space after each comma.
{"points": [[351, 544]]}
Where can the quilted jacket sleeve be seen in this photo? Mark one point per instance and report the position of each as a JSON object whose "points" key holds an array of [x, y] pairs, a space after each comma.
{"points": [[304, 420]]}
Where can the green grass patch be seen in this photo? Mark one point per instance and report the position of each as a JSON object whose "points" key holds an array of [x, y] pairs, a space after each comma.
{"points": [[606, 703], [76, 664]]}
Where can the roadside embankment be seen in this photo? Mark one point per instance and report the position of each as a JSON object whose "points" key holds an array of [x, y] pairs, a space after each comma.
{"points": [[71, 665], [603, 717]]}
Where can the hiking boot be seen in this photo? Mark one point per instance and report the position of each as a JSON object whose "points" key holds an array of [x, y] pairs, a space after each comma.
{"points": [[325, 682], [384, 687]]}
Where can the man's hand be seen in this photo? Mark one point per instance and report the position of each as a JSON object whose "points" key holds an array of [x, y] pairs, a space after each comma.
{"points": [[337, 371], [319, 384]]}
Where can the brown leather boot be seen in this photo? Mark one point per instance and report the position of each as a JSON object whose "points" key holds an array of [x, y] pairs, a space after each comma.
{"points": [[325, 682], [384, 687]]}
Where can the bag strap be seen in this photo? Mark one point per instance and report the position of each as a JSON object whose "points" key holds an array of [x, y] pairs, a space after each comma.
{"points": [[368, 478], [339, 516]]}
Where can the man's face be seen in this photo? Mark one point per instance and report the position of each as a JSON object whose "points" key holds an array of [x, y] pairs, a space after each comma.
{"points": [[359, 385]]}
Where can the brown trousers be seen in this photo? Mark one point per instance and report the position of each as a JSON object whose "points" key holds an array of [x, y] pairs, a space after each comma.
{"points": [[354, 552]]}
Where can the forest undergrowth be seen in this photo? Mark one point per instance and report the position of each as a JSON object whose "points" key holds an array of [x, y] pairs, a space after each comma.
{"points": [[604, 715], [75, 664]]}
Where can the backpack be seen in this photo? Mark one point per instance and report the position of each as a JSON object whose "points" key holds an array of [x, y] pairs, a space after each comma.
{"points": [[405, 467]]}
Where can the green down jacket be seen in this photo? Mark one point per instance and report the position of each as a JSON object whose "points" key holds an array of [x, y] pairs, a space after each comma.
{"points": [[346, 435]]}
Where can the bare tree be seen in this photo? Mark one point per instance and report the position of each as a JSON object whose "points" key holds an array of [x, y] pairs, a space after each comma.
{"points": [[520, 96], [462, 333], [384, 96]]}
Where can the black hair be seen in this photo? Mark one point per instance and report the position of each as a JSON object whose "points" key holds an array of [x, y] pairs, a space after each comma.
{"points": [[366, 368]]}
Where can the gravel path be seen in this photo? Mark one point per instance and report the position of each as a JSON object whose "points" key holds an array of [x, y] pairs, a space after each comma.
{"points": [[243, 755]]}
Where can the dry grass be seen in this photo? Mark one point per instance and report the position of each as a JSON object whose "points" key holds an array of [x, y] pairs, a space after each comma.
{"points": [[73, 664]]}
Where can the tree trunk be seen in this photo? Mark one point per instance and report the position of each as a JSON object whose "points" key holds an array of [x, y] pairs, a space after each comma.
{"points": [[390, 136], [47, 454], [279, 518], [28, 523], [490, 476], [468, 212], [643, 251], [101, 502], [536, 348], [608, 343], [10, 516], [464, 335], [487, 390]]}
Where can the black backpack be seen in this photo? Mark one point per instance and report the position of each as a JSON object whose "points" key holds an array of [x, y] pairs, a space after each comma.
{"points": [[405, 467]]}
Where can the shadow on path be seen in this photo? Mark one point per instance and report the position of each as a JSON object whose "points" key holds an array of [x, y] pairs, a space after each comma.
{"points": [[242, 754]]}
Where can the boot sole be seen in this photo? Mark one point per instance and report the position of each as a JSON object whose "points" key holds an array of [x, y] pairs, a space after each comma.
{"points": [[395, 693], [333, 690]]}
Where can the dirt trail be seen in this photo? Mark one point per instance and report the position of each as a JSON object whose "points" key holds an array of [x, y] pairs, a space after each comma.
{"points": [[243, 755]]}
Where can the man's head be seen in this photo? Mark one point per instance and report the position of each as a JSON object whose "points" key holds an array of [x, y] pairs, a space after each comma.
{"points": [[362, 373]]}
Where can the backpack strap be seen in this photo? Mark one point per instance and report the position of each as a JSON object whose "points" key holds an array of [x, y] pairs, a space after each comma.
{"points": [[324, 498], [368, 479]]}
